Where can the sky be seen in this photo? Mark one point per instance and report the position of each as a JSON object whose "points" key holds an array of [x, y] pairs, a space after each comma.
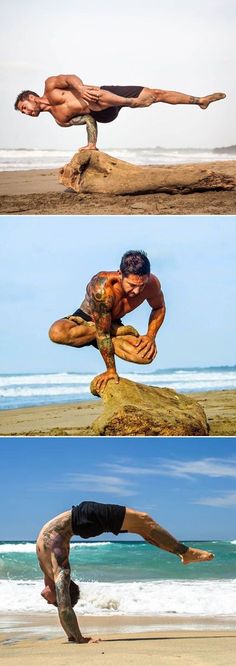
{"points": [[187, 485], [46, 262], [186, 46]]}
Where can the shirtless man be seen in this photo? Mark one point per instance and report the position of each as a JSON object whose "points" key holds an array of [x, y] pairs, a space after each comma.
{"points": [[109, 296], [90, 519], [70, 102]]}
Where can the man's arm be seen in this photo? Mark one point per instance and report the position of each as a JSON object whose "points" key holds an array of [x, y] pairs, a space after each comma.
{"points": [[146, 344], [101, 301], [71, 81], [61, 572], [91, 127]]}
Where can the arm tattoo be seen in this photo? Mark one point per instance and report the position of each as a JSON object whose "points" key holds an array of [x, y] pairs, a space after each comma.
{"points": [[101, 301], [66, 614], [91, 126]]}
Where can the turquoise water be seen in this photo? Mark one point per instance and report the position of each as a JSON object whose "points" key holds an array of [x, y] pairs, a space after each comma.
{"points": [[121, 561], [125, 578]]}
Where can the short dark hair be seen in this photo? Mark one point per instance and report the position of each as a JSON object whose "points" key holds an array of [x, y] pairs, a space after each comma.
{"points": [[136, 262], [22, 96], [74, 594]]}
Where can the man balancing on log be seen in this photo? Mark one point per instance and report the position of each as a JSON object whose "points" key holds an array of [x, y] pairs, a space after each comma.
{"points": [[90, 519], [70, 102], [109, 296]]}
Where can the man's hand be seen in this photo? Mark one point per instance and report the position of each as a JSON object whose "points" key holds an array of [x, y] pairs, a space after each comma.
{"points": [[100, 382], [90, 93], [90, 146], [84, 639], [146, 347]]}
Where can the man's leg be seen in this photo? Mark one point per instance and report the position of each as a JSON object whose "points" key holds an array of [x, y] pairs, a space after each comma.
{"points": [[142, 524], [71, 332], [150, 96], [125, 348], [76, 332], [104, 99]]}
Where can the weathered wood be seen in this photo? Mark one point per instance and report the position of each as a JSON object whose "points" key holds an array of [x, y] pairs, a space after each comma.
{"points": [[133, 409], [91, 171]]}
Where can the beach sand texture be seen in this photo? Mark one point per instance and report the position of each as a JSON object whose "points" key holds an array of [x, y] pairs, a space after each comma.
{"points": [[165, 648], [39, 192], [128, 640], [75, 419]]}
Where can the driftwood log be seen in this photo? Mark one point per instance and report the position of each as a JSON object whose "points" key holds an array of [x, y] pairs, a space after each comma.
{"points": [[132, 409], [91, 171]]}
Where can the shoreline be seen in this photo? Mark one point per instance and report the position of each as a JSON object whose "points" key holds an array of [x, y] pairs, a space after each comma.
{"points": [[76, 419], [131, 639], [38, 192]]}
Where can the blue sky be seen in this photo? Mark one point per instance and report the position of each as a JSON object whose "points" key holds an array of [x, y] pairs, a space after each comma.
{"points": [[184, 46], [46, 263], [187, 485]]}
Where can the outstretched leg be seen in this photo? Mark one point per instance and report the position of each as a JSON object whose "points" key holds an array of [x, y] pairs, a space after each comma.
{"points": [[142, 524], [150, 96]]}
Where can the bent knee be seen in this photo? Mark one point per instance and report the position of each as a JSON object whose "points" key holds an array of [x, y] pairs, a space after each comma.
{"points": [[145, 519], [57, 332], [143, 361]]}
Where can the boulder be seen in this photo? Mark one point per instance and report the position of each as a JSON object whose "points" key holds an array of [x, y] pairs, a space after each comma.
{"points": [[133, 409], [91, 171]]}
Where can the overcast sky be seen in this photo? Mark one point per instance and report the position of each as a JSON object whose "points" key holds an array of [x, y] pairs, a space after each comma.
{"points": [[184, 46], [187, 485], [46, 263]]}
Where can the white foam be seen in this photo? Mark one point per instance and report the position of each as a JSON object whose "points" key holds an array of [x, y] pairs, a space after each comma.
{"points": [[17, 548], [22, 159], [207, 597], [63, 384]]}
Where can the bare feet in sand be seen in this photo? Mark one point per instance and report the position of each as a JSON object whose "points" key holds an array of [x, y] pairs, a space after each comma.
{"points": [[196, 555], [205, 101]]}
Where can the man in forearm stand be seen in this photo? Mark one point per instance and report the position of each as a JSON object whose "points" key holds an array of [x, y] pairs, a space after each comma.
{"points": [[70, 102], [109, 296], [90, 519]]}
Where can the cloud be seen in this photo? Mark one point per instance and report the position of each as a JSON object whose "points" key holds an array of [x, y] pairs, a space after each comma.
{"points": [[92, 483], [188, 469], [225, 500]]}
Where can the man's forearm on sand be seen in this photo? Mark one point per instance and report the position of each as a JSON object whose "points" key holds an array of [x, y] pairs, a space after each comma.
{"points": [[156, 319], [65, 611]]}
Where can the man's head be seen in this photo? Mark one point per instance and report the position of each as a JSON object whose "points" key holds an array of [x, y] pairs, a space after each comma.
{"points": [[27, 103], [49, 593], [135, 272]]}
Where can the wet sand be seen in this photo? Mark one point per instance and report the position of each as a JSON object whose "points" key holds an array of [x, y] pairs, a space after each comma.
{"points": [[75, 419], [135, 641], [38, 192]]}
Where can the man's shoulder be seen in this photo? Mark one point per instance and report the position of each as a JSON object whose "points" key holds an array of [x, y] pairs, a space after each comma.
{"points": [[153, 282]]}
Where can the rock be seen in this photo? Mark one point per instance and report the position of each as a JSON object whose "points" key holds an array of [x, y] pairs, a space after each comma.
{"points": [[92, 171], [135, 409]]}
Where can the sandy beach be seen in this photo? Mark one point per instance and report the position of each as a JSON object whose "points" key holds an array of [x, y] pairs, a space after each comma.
{"points": [[133, 640], [75, 419], [38, 192]]}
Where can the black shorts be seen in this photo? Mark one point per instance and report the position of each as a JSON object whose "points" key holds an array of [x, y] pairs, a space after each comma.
{"points": [[86, 317], [89, 519], [108, 115]]}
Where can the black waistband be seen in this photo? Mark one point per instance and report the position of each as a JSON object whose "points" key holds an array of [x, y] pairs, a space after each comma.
{"points": [[82, 314]]}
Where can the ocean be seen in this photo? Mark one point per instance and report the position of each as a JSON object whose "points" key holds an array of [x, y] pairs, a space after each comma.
{"points": [[125, 578], [28, 390], [24, 159]]}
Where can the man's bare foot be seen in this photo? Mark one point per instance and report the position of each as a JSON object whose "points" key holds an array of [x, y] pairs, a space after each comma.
{"points": [[205, 101], [196, 555], [117, 330]]}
